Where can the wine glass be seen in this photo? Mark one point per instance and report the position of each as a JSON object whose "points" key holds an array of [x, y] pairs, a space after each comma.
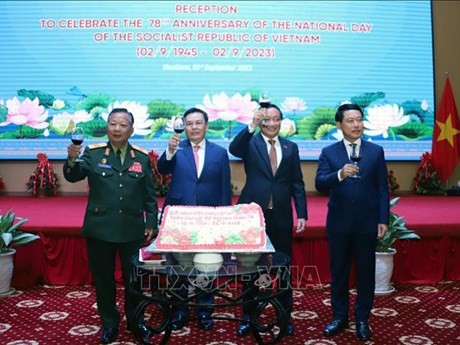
{"points": [[178, 123], [355, 157], [77, 137], [264, 102]]}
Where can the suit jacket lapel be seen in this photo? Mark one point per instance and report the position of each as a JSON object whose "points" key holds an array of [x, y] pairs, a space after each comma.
{"points": [[362, 161], [188, 152], [262, 149], [342, 153], [286, 151]]}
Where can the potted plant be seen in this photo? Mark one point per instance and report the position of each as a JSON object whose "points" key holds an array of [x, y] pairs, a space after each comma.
{"points": [[43, 180], [426, 180], [397, 230], [10, 236]]}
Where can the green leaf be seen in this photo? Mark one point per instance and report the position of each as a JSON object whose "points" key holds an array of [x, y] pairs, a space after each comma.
{"points": [[414, 131], [414, 107], [323, 130], [11, 135], [44, 98], [94, 128], [366, 98], [9, 233], [308, 127], [216, 134], [29, 132], [397, 230], [234, 239], [218, 125], [3, 113], [96, 101], [164, 108]]}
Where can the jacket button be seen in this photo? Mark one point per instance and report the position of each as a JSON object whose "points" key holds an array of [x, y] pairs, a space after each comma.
{"points": [[121, 174], [121, 198], [103, 173], [121, 211], [121, 185]]}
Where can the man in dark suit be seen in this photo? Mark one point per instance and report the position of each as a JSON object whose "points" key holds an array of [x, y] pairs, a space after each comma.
{"points": [[121, 211], [273, 178], [358, 213], [200, 177]]}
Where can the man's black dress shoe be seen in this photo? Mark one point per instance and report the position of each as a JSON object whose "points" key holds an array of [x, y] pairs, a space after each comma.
{"points": [[243, 329], [178, 322], [109, 335], [205, 323], [363, 331], [145, 331], [335, 327]]}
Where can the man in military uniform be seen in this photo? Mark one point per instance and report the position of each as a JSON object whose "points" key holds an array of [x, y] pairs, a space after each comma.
{"points": [[121, 214]]}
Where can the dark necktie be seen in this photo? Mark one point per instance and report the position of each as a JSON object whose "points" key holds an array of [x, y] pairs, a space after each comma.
{"points": [[119, 156], [353, 149], [273, 158]]}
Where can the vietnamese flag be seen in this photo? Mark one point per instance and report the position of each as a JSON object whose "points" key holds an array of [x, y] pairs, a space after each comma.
{"points": [[446, 135]]}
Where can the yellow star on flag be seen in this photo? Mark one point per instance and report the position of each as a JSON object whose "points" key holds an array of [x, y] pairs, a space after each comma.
{"points": [[447, 130]]}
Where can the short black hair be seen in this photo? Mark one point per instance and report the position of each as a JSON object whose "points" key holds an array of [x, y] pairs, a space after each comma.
{"points": [[122, 110], [343, 108], [276, 107], [196, 110]]}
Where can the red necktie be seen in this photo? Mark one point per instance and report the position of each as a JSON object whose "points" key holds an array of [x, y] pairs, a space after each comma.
{"points": [[195, 155]]}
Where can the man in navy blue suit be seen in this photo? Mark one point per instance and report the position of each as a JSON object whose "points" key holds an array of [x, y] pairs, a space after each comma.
{"points": [[358, 213], [272, 183], [200, 177]]}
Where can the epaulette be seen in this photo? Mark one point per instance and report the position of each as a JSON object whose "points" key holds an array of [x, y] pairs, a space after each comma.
{"points": [[140, 149], [97, 146]]}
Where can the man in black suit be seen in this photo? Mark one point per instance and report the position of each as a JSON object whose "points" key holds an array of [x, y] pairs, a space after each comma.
{"points": [[121, 210], [358, 213], [273, 178]]}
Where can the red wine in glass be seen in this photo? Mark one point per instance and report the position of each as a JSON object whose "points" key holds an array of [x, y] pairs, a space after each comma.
{"points": [[77, 141], [77, 137], [355, 157], [178, 125]]}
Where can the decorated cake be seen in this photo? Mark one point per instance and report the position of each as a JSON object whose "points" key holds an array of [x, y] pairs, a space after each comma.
{"points": [[200, 228]]}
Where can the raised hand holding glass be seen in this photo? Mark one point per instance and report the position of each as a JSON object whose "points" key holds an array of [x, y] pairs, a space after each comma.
{"points": [[264, 102], [178, 123], [77, 137]]}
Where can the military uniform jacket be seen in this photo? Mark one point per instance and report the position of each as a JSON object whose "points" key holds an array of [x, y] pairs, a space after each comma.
{"points": [[121, 202]]}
